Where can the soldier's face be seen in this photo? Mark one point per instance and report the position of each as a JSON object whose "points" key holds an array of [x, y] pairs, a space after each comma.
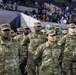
{"points": [[51, 38], [12, 34], [37, 28], [71, 31], [5, 33], [20, 32], [27, 31]]}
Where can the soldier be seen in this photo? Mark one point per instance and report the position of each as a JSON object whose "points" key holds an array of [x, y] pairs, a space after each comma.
{"points": [[44, 31], [56, 28], [64, 32], [25, 49], [49, 54], [9, 52], [26, 30], [19, 34], [68, 51], [58, 32], [19, 31], [13, 34], [35, 39]]}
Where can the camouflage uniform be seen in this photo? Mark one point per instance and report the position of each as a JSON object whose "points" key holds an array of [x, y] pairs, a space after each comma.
{"points": [[68, 54], [9, 55], [34, 39], [19, 36], [13, 34], [49, 55], [58, 33], [64, 32], [24, 53]]}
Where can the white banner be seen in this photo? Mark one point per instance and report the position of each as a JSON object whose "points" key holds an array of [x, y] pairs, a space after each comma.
{"points": [[29, 21]]}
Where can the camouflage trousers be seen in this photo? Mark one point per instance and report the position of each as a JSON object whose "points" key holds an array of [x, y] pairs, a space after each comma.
{"points": [[49, 72], [69, 68], [31, 67]]}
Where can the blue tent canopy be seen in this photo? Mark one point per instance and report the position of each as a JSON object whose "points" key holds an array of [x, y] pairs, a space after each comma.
{"points": [[11, 17]]}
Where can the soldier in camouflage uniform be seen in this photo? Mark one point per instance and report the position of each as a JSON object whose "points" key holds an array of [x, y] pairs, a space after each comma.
{"points": [[9, 52], [13, 34], [19, 31], [24, 52], [49, 54], [35, 39], [56, 28], [64, 32], [19, 34], [68, 51], [44, 31]]}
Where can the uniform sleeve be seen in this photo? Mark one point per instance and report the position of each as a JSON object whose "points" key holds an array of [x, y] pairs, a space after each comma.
{"points": [[25, 41], [38, 53], [61, 45], [20, 50], [62, 41]]}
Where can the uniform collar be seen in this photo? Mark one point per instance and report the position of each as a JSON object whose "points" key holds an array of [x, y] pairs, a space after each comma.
{"points": [[2, 42], [47, 44]]}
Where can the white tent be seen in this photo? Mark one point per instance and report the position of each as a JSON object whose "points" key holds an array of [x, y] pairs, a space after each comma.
{"points": [[29, 21]]}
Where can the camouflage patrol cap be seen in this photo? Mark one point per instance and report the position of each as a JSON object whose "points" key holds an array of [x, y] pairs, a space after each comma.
{"points": [[19, 29], [5, 27], [55, 26], [51, 32], [37, 24], [12, 31], [64, 32], [25, 27], [43, 30], [71, 25]]}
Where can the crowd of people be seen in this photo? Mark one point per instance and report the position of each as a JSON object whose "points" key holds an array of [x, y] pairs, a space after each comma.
{"points": [[65, 17], [37, 53]]}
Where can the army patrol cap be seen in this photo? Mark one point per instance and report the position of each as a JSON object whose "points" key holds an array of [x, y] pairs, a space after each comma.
{"points": [[37, 24], [19, 29], [43, 30], [25, 27], [55, 26], [71, 25], [12, 31], [5, 27], [64, 32], [51, 32]]}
